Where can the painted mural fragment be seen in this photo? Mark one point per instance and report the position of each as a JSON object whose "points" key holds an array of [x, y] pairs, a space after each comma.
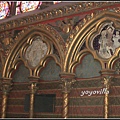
{"points": [[107, 41], [36, 51]]}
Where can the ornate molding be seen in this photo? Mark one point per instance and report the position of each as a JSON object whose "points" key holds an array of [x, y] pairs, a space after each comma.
{"points": [[33, 87], [6, 86], [67, 80], [24, 38], [85, 31], [66, 25], [107, 81], [85, 20], [63, 11], [44, 27], [6, 44], [67, 84], [6, 48]]}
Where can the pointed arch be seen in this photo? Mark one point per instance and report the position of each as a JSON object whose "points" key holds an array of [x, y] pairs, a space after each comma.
{"points": [[88, 28], [22, 38]]}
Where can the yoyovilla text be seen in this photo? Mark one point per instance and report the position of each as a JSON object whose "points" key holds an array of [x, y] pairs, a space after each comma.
{"points": [[93, 92]]}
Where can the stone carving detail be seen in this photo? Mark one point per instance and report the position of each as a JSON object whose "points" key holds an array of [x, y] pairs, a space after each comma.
{"points": [[66, 84], [36, 51], [56, 12], [107, 42], [7, 42], [66, 25]]}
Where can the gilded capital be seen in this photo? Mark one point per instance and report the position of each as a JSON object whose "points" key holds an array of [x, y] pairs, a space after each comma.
{"points": [[33, 84], [66, 84], [67, 81], [33, 88], [107, 81], [6, 86]]}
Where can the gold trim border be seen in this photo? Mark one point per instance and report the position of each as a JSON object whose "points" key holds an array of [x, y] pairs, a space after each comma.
{"points": [[83, 31], [65, 10]]}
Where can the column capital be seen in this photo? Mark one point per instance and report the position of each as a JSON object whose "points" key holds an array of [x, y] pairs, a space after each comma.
{"points": [[33, 84], [67, 80], [6, 85], [107, 81], [107, 76]]}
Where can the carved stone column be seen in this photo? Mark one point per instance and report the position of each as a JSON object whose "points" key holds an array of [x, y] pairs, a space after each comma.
{"points": [[107, 75], [33, 90], [6, 87], [67, 80]]}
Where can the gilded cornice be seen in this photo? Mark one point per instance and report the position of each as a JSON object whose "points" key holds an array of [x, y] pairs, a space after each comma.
{"points": [[56, 12], [87, 19]]}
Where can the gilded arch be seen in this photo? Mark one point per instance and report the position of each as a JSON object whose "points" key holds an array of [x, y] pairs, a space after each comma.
{"points": [[114, 59], [23, 39], [85, 31]]}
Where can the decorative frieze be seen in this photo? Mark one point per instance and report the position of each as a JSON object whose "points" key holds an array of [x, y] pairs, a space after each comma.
{"points": [[55, 13]]}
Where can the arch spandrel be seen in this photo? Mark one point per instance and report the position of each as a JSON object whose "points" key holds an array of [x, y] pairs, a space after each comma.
{"points": [[23, 40], [85, 33]]}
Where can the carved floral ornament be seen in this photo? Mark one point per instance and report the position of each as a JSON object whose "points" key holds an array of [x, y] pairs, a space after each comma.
{"points": [[36, 51], [55, 13]]}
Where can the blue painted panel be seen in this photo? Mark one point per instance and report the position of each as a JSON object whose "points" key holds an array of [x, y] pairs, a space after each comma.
{"points": [[21, 74], [50, 72], [88, 68]]}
